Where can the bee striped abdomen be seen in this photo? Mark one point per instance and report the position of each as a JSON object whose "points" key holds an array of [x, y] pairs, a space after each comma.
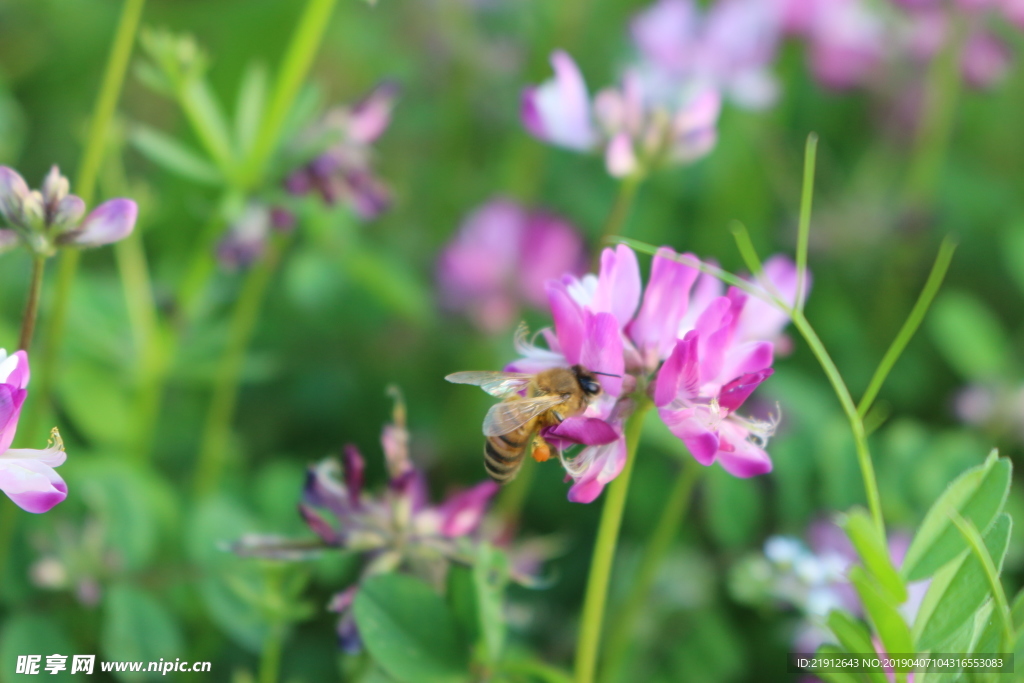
{"points": [[503, 455]]}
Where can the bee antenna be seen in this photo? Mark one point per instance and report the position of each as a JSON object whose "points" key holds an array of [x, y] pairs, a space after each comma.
{"points": [[606, 374]]}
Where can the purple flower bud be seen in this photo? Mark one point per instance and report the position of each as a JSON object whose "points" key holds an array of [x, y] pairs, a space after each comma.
{"points": [[246, 238], [986, 60], [354, 468], [13, 194], [67, 212], [299, 183], [462, 513], [370, 198], [110, 222], [55, 188], [281, 219]]}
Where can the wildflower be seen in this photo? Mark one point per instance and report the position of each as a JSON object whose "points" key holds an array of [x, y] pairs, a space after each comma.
{"points": [[696, 352], [501, 259], [51, 217], [729, 49], [341, 170], [397, 529], [639, 128], [26, 475]]}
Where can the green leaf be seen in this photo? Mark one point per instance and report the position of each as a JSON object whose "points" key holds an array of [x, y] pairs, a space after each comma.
{"points": [[461, 594], [873, 552], [409, 630], [978, 494], [884, 616], [208, 121], [252, 99], [830, 651], [166, 151], [970, 336], [34, 634], [854, 637], [137, 628], [958, 590]]}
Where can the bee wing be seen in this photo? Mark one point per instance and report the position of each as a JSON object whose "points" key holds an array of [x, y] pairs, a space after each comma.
{"points": [[500, 384], [509, 416]]}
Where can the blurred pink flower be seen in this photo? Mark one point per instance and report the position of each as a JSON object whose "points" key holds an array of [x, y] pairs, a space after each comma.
{"points": [[26, 475], [633, 123], [501, 259], [729, 49], [847, 39]]}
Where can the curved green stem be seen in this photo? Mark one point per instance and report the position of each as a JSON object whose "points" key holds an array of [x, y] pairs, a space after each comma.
{"points": [[214, 445], [860, 438], [35, 287], [85, 187], [592, 618], [672, 515], [931, 288]]}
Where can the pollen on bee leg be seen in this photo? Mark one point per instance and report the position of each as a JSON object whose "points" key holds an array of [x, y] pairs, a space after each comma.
{"points": [[541, 450]]}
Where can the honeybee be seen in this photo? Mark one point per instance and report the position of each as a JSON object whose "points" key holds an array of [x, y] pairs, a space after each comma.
{"points": [[551, 396]]}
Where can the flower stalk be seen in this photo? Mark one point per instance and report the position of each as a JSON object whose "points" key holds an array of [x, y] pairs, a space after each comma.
{"points": [[592, 618], [35, 287], [214, 445], [673, 513], [85, 185], [616, 221]]}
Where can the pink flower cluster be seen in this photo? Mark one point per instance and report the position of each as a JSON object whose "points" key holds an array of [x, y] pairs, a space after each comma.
{"points": [[666, 105], [694, 349], [26, 475], [501, 259], [637, 126]]}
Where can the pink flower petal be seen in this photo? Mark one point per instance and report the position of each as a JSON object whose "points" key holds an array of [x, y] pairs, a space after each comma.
{"points": [[602, 351], [11, 400], [569, 321], [589, 431], [558, 111], [738, 455], [618, 285], [462, 513], [678, 376], [701, 441], [111, 221], [33, 485], [606, 462], [619, 157], [736, 392], [665, 302]]}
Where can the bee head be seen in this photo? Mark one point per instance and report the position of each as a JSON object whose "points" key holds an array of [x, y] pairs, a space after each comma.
{"points": [[589, 384]]}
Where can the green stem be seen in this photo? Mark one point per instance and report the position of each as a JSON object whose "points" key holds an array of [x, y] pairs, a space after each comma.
{"points": [[931, 288], [592, 618], [216, 435], [297, 61], [860, 438], [804, 230], [202, 264], [672, 515], [270, 657], [616, 220], [85, 187], [35, 287]]}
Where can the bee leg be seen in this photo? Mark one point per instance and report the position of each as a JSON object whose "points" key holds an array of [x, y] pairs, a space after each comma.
{"points": [[541, 449]]}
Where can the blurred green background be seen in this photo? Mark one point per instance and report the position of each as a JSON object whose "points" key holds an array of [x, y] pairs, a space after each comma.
{"points": [[353, 309]]}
